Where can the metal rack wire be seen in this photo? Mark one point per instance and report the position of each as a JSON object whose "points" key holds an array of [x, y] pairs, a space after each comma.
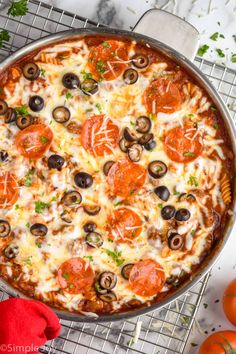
{"points": [[162, 332]]}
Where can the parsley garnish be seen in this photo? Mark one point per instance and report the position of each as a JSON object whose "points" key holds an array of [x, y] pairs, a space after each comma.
{"points": [[28, 261], [193, 181], [99, 107], [233, 58], [27, 225], [100, 66], [192, 233], [71, 286], [216, 126], [66, 276], [69, 95], [86, 75], [28, 178], [42, 72], [89, 257], [188, 153], [205, 306], [4, 36], [22, 111], [106, 45], [17, 206], [220, 52], [18, 8], [43, 139], [177, 193], [116, 256], [202, 50], [118, 203], [39, 244], [40, 206], [160, 206], [216, 35]]}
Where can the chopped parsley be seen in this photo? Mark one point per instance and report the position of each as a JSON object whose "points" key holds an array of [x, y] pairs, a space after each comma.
{"points": [[18, 8], [42, 72], [216, 35], [160, 206], [17, 206], [192, 233], [132, 192], [220, 52], [4, 36], [69, 95], [89, 258], [132, 123], [116, 256], [177, 193], [86, 75], [71, 286], [118, 203], [152, 116], [184, 320], [106, 45], [205, 306], [38, 244], [66, 276], [27, 225], [193, 181], [40, 206], [22, 111], [100, 66], [202, 50], [233, 58], [216, 126], [28, 178], [188, 153], [99, 107], [43, 139]]}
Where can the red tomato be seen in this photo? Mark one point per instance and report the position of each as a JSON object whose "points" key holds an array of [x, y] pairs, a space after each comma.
{"points": [[162, 95], [107, 60], [125, 225], [223, 342], [183, 144], [8, 190], [99, 135], [147, 278], [229, 302], [76, 275], [33, 141], [125, 178]]}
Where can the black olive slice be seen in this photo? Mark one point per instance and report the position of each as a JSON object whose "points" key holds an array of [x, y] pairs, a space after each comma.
{"points": [[39, 229], [94, 239], [72, 198], [107, 280], [71, 81], [89, 86], [61, 114], [182, 214], [157, 169], [36, 103], [10, 116], [150, 145], [91, 209], [11, 251], [140, 61], [108, 297], [130, 76], [135, 152], [98, 288], [107, 166], [124, 145], [126, 269], [145, 138], [129, 135], [83, 180], [188, 197], [162, 192], [168, 212], [175, 241], [23, 122], [4, 156], [56, 161], [66, 216], [31, 71], [5, 228], [89, 226], [143, 124], [3, 107]]}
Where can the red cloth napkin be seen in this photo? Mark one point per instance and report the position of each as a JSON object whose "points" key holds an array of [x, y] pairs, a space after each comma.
{"points": [[25, 325]]}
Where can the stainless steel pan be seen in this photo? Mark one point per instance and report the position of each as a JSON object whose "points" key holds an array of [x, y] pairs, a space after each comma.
{"points": [[178, 40]]}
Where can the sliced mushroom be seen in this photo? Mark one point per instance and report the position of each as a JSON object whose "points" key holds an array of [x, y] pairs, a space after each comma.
{"points": [[107, 166], [3, 107], [72, 198], [188, 197], [129, 135], [124, 145], [89, 86], [157, 169], [91, 209], [39, 229], [126, 269], [89, 226], [108, 297], [5, 228], [94, 239], [135, 152], [107, 280], [11, 251], [143, 124], [175, 241], [67, 216], [140, 61]]}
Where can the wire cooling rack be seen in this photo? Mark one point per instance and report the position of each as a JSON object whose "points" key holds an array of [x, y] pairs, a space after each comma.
{"points": [[162, 332]]}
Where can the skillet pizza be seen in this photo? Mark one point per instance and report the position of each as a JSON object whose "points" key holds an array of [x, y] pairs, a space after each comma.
{"points": [[115, 180]]}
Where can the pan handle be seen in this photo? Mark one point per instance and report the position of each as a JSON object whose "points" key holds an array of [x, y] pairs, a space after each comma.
{"points": [[171, 30]]}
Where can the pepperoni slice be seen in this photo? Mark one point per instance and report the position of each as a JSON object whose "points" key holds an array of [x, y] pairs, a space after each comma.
{"points": [[147, 278], [107, 60], [125, 225], [162, 95], [183, 144], [126, 178], [33, 141], [75, 275], [8, 190], [99, 135]]}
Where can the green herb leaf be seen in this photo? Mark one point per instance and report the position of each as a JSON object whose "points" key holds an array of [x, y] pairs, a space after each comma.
{"points": [[4, 36], [214, 36], [118, 203], [69, 95], [22, 111], [202, 50], [220, 52], [193, 181], [160, 206], [28, 178], [17, 206], [71, 286], [100, 66], [233, 58], [27, 225], [188, 153], [177, 193], [152, 116], [38, 244], [66, 276], [205, 306], [43, 139], [86, 75], [116, 256], [42, 71], [99, 107], [18, 8], [28, 261], [106, 45], [192, 233], [216, 126], [89, 257], [40, 206]]}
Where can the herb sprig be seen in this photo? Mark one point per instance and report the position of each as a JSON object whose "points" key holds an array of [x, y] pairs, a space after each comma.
{"points": [[18, 8]]}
